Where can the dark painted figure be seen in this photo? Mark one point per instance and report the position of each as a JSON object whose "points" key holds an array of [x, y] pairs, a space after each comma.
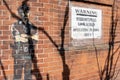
{"points": [[25, 37]]}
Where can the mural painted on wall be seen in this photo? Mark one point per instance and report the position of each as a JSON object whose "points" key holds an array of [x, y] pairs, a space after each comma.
{"points": [[25, 36]]}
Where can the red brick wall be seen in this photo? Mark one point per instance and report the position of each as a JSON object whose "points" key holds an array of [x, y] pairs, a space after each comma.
{"points": [[56, 59]]}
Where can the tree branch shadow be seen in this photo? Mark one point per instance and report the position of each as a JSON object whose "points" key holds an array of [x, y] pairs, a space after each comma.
{"points": [[61, 49], [109, 69], [66, 70], [10, 11], [3, 70]]}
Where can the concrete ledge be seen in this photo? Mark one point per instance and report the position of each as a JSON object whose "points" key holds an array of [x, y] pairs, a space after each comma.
{"points": [[87, 48]]}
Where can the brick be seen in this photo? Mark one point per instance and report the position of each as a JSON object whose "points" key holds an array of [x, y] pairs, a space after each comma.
{"points": [[4, 47], [37, 14], [4, 28], [54, 1], [37, 4], [4, 17], [33, 0], [2, 7], [43, 9], [39, 51], [0, 32], [34, 9], [44, 1], [7, 22], [4, 37], [49, 6], [0, 2], [42, 55], [9, 72]]}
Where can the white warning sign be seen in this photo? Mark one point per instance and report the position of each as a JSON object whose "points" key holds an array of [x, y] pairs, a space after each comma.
{"points": [[86, 23]]}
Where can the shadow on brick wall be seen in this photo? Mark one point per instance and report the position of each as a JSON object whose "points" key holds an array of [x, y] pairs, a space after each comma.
{"points": [[3, 70], [66, 70], [108, 72], [61, 50]]}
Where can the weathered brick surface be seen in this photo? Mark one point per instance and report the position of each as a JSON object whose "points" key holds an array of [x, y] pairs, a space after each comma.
{"points": [[56, 58]]}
